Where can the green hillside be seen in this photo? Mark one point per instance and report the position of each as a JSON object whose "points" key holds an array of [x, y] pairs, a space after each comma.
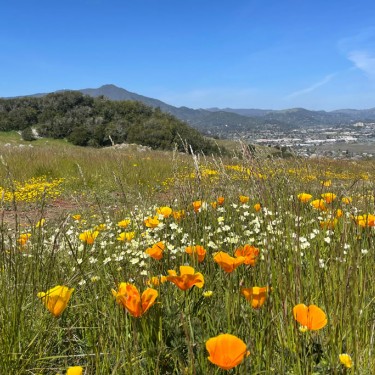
{"points": [[97, 122]]}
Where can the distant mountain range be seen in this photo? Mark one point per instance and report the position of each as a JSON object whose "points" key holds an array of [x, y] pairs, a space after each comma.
{"points": [[220, 121]]}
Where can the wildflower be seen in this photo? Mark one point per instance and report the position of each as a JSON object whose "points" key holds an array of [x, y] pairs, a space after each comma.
{"points": [[88, 236], [101, 227], [346, 200], [311, 316], [128, 296], [243, 199], [256, 295], [178, 215], [328, 224], [226, 262], [156, 280], [207, 293], [123, 223], [126, 236], [339, 213], [328, 197], [326, 183], [257, 207], [214, 205], [366, 220], [197, 205], [187, 278], [220, 201], [304, 197], [156, 251], [23, 239], [319, 204], [40, 223], [346, 360], [56, 299], [198, 250], [77, 217], [75, 370], [249, 252], [152, 222], [226, 351], [164, 211]]}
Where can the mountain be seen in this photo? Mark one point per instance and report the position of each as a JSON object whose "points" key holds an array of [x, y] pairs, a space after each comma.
{"points": [[218, 121]]}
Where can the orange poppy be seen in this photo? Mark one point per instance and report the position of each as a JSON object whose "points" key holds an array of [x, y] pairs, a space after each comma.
{"points": [[319, 204], [88, 236], [256, 295], [226, 351], [304, 197], [243, 199], [151, 222], [187, 278], [328, 197], [220, 201], [311, 317], [257, 207], [165, 211], [178, 215], [249, 252], [198, 250], [197, 205], [366, 220], [156, 251], [228, 263], [128, 296], [56, 299]]}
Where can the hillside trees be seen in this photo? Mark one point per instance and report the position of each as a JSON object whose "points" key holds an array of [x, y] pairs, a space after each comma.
{"points": [[98, 122]]}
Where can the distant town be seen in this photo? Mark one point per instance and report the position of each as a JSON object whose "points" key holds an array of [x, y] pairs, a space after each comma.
{"points": [[355, 141]]}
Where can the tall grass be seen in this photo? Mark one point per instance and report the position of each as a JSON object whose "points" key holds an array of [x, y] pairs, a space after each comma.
{"points": [[301, 261]]}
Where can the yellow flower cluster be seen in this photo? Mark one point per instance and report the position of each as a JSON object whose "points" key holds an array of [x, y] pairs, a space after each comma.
{"points": [[32, 190]]}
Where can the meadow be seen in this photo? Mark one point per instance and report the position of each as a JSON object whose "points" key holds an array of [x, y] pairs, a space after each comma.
{"points": [[130, 261]]}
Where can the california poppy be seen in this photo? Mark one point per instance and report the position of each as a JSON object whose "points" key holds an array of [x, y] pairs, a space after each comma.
{"points": [[256, 295], [187, 279], [126, 236], [346, 360], [243, 199], [328, 197], [319, 204], [128, 296], [226, 351], [23, 239], [197, 205], [304, 197], [164, 211], [56, 299], [156, 251], [152, 222], [75, 370], [311, 317], [366, 220], [228, 263], [257, 207], [249, 252], [123, 223], [197, 250], [89, 236], [220, 201]]}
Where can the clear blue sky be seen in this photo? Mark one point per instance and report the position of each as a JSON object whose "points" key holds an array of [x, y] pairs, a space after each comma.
{"points": [[316, 54]]}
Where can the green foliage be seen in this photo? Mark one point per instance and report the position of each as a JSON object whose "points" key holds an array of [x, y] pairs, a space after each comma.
{"points": [[27, 134], [87, 121]]}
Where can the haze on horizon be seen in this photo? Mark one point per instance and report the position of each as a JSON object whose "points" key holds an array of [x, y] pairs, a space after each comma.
{"points": [[317, 55]]}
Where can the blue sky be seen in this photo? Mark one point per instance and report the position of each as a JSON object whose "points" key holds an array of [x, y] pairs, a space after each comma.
{"points": [[197, 53]]}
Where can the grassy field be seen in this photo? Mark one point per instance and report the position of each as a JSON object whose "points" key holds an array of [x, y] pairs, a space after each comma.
{"points": [[93, 241]]}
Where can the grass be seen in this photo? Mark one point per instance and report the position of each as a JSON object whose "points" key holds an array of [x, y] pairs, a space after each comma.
{"points": [[306, 255]]}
